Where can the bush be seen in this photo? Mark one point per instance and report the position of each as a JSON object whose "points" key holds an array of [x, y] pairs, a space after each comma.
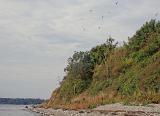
{"points": [[72, 87], [153, 82], [128, 84], [98, 86]]}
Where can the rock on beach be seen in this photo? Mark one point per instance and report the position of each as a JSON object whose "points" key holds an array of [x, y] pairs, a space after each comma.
{"points": [[106, 110]]}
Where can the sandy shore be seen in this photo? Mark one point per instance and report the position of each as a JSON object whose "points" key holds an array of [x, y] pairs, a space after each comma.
{"points": [[106, 110]]}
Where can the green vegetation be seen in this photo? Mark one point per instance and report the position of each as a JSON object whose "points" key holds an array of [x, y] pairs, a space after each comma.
{"points": [[108, 73]]}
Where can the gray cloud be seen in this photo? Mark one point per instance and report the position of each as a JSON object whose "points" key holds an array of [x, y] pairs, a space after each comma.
{"points": [[37, 37]]}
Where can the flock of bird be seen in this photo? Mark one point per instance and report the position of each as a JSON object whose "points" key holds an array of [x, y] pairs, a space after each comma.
{"points": [[102, 17]]}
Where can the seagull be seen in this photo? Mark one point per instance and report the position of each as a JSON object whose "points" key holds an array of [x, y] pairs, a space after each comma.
{"points": [[102, 17], [90, 10], [83, 29], [156, 14]]}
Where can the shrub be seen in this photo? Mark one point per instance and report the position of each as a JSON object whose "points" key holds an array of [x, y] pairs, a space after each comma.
{"points": [[98, 86], [128, 84], [72, 87]]}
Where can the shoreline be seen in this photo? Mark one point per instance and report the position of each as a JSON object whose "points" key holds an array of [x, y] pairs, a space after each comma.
{"points": [[106, 110]]}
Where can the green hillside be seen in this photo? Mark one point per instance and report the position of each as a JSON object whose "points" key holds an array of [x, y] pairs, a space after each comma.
{"points": [[109, 73]]}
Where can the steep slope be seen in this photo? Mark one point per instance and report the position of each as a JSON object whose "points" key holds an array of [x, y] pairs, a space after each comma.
{"points": [[108, 74]]}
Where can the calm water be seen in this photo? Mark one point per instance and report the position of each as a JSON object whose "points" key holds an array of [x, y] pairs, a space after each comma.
{"points": [[14, 110]]}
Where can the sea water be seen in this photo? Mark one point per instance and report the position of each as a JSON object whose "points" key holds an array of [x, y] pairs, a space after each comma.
{"points": [[15, 110]]}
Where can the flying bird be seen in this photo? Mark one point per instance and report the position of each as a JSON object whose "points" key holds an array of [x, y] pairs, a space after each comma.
{"points": [[156, 14], [116, 3], [102, 17], [90, 10], [84, 29]]}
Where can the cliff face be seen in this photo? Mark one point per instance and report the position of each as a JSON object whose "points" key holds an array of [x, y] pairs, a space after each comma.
{"points": [[108, 74]]}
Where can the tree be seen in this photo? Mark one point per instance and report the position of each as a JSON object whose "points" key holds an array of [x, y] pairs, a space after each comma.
{"points": [[100, 53], [80, 66], [139, 39]]}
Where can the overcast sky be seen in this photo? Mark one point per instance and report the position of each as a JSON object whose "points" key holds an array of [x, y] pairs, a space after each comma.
{"points": [[37, 37]]}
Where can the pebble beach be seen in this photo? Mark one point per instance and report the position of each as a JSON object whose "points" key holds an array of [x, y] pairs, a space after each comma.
{"points": [[106, 110]]}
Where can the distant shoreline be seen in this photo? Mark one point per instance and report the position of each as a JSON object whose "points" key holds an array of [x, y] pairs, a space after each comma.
{"points": [[21, 101]]}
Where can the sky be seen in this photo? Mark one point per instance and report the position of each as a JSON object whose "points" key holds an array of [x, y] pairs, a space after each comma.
{"points": [[38, 36]]}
